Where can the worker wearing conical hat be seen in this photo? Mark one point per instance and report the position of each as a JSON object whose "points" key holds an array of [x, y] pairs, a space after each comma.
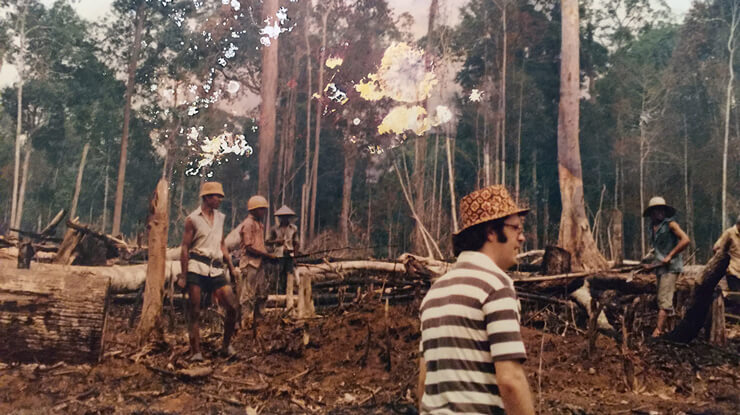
{"points": [[202, 259], [668, 240], [253, 286], [283, 243]]}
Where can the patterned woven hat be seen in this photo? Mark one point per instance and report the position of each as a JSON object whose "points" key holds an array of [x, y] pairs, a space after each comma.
{"points": [[490, 203]]}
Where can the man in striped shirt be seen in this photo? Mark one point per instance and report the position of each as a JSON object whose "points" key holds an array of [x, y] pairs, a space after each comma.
{"points": [[471, 346]]}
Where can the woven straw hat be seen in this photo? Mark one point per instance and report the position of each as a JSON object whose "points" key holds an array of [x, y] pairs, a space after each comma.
{"points": [[490, 203], [211, 188], [284, 211], [659, 201]]}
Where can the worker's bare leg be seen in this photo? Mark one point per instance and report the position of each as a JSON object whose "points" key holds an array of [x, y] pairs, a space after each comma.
{"points": [[194, 324], [662, 317], [227, 300]]}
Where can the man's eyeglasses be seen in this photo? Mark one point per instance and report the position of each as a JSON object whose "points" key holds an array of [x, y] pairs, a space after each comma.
{"points": [[518, 228]]}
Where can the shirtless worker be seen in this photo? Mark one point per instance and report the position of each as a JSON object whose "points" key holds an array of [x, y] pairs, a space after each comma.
{"points": [[202, 259]]}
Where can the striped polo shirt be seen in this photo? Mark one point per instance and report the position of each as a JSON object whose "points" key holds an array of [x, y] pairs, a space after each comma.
{"points": [[469, 320]]}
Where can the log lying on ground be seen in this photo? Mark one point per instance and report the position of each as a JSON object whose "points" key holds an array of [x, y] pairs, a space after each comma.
{"points": [[123, 278], [54, 315]]}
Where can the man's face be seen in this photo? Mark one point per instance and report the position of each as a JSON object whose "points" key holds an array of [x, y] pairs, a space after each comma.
{"points": [[214, 201], [514, 231], [259, 213], [284, 220], [657, 214]]}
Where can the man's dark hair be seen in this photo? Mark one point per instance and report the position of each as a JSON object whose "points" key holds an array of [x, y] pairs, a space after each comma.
{"points": [[473, 238]]}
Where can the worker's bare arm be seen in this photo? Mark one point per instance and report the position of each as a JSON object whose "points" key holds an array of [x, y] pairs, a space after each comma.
{"points": [[514, 388], [187, 242]]}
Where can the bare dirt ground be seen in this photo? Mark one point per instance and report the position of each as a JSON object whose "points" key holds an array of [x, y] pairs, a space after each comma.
{"points": [[354, 360]]}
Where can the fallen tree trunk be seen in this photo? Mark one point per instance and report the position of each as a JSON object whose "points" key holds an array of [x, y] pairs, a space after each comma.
{"points": [[688, 328], [50, 316]]}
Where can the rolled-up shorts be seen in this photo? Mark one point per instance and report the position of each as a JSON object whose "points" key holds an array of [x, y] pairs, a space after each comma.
{"points": [[207, 284], [666, 289]]}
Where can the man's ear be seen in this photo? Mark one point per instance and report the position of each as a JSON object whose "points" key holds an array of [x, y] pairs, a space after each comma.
{"points": [[491, 234]]}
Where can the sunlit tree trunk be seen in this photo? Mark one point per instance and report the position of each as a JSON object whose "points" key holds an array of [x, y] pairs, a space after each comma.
{"points": [[575, 233], [130, 84], [78, 183], [728, 106], [450, 147], [20, 65], [268, 93], [24, 181]]}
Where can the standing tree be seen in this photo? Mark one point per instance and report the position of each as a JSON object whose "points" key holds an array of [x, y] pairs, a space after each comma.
{"points": [[133, 59], [268, 93], [731, 45], [575, 232]]}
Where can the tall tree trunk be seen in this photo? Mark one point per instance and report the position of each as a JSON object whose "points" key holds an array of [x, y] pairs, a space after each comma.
{"points": [[24, 182], [268, 93], [687, 193], [105, 192], [157, 225], [350, 160], [420, 152], [575, 234], [306, 188], [317, 138], [534, 202], [502, 105], [130, 84], [20, 65], [450, 147], [643, 156], [728, 106], [519, 137], [78, 183]]}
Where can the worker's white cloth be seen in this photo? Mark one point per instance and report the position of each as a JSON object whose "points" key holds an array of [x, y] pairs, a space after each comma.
{"points": [[207, 242]]}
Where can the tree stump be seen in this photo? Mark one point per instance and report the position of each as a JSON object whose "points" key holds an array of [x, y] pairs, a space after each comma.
{"points": [[158, 225], [556, 261], [57, 315], [717, 333]]}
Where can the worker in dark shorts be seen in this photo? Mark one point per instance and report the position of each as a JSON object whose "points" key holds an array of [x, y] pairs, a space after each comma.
{"points": [[203, 256]]}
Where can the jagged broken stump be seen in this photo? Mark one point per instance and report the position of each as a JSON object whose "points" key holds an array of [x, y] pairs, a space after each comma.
{"points": [[52, 315]]}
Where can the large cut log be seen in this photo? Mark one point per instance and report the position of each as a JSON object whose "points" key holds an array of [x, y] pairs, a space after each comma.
{"points": [[51, 316], [693, 321]]}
